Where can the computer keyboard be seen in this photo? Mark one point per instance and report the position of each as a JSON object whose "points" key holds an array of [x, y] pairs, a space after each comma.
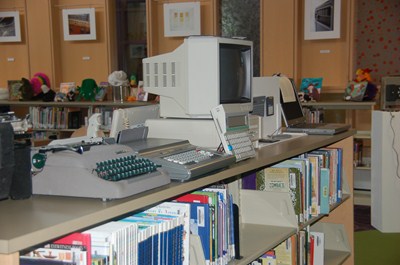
{"points": [[190, 157], [240, 145], [185, 161]]}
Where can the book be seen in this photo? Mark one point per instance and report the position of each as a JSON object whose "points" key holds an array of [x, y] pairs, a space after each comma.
{"points": [[286, 252], [176, 209], [311, 87], [110, 241], [324, 192], [315, 177], [57, 254], [214, 209], [77, 238], [225, 243], [249, 181], [268, 258], [276, 179], [295, 182], [317, 247], [172, 228], [200, 220], [152, 238]]}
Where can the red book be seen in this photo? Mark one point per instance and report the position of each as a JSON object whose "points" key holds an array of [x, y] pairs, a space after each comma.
{"points": [[83, 239], [198, 198]]}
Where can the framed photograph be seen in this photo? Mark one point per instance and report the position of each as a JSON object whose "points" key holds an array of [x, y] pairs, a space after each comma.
{"points": [[10, 29], [322, 19], [181, 19], [14, 89], [79, 24]]}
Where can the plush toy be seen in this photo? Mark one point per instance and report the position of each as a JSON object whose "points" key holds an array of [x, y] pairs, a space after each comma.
{"points": [[361, 88], [88, 90], [37, 88]]}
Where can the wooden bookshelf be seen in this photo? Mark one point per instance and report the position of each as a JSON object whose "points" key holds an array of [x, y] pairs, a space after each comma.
{"points": [[40, 219]]}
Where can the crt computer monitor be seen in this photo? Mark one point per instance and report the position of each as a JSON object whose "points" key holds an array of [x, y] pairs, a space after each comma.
{"points": [[203, 72]]}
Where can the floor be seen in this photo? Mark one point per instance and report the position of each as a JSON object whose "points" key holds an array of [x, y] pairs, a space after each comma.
{"points": [[362, 197], [371, 247]]}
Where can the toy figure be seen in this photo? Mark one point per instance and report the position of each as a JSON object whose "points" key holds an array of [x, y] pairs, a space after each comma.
{"points": [[88, 90]]}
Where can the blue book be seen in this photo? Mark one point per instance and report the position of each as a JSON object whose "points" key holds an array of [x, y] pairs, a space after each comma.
{"points": [[340, 174], [200, 221], [324, 206], [214, 209]]}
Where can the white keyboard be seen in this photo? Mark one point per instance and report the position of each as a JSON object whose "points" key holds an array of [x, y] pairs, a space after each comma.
{"points": [[240, 145], [190, 156]]}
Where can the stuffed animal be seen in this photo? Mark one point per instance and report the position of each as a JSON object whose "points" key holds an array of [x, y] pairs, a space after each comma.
{"points": [[37, 88], [88, 90]]}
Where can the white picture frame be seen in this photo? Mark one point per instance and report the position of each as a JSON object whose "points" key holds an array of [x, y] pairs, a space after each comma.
{"points": [[322, 19], [10, 28], [182, 19], [79, 24]]}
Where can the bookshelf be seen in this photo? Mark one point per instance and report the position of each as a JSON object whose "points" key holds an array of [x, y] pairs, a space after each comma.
{"points": [[40, 219], [86, 108], [358, 114]]}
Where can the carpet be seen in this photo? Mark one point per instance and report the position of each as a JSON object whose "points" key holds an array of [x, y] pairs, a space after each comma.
{"points": [[371, 247], [375, 248], [362, 218]]}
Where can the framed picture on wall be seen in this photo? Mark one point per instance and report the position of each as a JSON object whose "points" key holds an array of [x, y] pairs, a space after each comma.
{"points": [[322, 19], [10, 30], [79, 24], [181, 19]]}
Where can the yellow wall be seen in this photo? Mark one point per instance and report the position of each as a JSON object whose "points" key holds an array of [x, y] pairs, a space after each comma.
{"points": [[14, 59], [43, 48], [157, 43], [283, 48]]}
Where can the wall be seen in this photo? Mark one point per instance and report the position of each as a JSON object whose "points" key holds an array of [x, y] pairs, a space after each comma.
{"points": [[278, 38], [78, 60], [14, 59], [43, 48], [284, 49], [157, 43], [378, 37], [331, 59]]}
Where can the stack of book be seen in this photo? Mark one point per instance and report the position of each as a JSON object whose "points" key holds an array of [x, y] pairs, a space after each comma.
{"points": [[211, 218], [304, 248], [313, 180], [158, 235]]}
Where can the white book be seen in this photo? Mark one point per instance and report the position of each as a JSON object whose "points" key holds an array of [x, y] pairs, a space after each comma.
{"points": [[319, 245]]}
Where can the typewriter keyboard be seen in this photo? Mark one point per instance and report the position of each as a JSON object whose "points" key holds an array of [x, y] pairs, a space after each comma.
{"points": [[124, 167]]}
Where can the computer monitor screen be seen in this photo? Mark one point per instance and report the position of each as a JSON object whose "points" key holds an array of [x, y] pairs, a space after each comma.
{"points": [[202, 73], [128, 118], [235, 84]]}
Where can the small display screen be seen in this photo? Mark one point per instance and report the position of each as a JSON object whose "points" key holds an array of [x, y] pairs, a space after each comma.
{"points": [[236, 121]]}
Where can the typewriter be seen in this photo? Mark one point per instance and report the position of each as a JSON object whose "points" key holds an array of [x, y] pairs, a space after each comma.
{"points": [[94, 170]]}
